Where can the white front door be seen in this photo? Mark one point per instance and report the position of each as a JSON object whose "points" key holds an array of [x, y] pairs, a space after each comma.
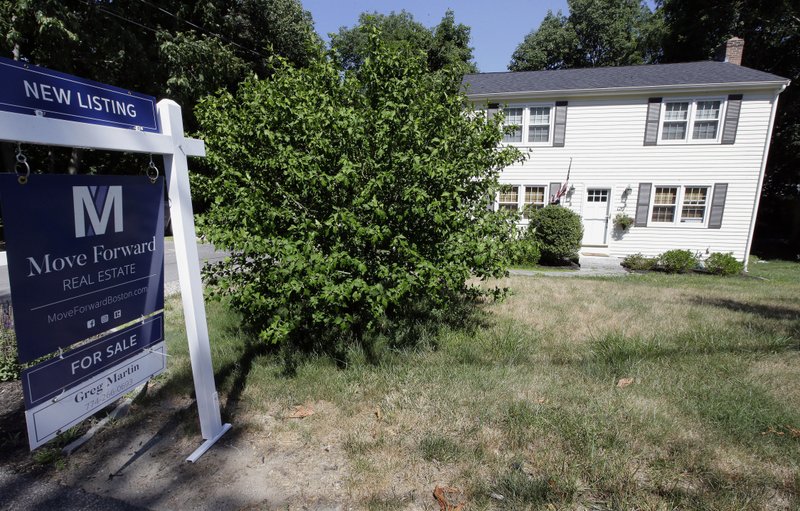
{"points": [[595, 216]]}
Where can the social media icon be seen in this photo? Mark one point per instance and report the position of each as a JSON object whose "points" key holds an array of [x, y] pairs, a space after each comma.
{"points": [[90, 323], [117, 314], [104, 318]]}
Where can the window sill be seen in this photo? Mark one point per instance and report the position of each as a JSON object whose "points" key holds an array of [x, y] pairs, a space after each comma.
{"points": [[665, 225], [683, 143]]}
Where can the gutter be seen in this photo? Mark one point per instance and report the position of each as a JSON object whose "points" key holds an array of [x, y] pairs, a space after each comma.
{"points": [[757, 200], [779, 86]]}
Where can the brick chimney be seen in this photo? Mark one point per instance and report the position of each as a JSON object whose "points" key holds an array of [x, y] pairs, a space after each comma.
{"points": [[731, 51]]}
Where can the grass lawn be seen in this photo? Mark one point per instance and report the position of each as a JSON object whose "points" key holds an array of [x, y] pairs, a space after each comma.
{"points": [[525, 409], [539, 267]]}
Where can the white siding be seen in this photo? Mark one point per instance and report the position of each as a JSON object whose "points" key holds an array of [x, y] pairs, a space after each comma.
{"points": [[604, 138]]}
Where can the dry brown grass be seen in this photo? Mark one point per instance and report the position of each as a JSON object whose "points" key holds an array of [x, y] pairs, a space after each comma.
{"points": [[527, 406]]}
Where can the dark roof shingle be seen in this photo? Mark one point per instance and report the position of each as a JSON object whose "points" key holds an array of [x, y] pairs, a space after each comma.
{"points": [[648, 75]]}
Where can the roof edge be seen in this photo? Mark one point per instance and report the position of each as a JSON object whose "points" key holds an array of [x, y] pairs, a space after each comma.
{"points": [[777, 85]]}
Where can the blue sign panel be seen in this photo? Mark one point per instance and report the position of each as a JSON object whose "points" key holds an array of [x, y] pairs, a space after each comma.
{"points": [[50, 378], [28, 89], [85, 255]]}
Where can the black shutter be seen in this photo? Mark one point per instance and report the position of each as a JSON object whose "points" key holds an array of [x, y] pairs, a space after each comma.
{"points": [[643, 204], [560, 124], [717, 205], [491, 110], [653, 117], [731, 119], [554, 188]]}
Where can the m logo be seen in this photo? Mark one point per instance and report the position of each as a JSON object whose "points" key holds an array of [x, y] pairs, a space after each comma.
{"points": [[96, 203]]}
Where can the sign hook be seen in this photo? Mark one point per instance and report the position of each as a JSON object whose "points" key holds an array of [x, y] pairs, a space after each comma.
{"points": [[152, 171], [22, 163]]}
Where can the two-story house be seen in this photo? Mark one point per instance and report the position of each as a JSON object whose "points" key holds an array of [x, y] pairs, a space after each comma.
{"points": [[680, 148]]}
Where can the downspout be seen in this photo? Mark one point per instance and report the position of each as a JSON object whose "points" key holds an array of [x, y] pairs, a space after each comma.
{"points": [[761, 176]]}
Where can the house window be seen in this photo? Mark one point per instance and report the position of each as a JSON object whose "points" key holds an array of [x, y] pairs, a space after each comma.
{"points": [[706, 120], [539, 124], [676, 117], [664, 203], [533, 124], [513, 117], [534, 199], [694, 205], [693, 201], [691, 121], [509, 198], [597, 195]]}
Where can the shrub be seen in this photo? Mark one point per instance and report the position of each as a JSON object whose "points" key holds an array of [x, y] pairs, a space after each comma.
{"points": [[677, 261], [525, 249], [559, 232], [723, 264], [9, 366], [350, 200], [639, 262]]}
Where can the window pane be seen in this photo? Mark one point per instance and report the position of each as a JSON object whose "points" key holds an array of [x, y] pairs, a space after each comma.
{"points": [[663, 213], [539, 133], [540, 115], [705, 130], [674, 131], [534, 194], [516, 136], [534, 199], [694, 205], [665, 196], [664, 204], [513, 117], [707, 110], [676, 112], [509, 194], [595, 195]]}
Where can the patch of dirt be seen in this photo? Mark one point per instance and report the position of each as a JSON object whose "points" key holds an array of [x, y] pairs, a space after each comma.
{"points": [[261, 463]]}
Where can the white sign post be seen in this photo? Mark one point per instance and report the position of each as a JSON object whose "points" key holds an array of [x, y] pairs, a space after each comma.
{"points": [[171, 143], [180, 198]]}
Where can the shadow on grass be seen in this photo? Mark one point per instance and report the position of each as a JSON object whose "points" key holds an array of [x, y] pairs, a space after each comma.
{"points": [[238, 371], [765, 311], [614, 355]]}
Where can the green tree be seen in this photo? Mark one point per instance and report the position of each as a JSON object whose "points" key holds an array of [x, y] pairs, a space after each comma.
{"points": [[186, 48], [180, 50], [595, 33], [350, 202], [694, 30], [551, 46], [444, 45], [450, 45]]}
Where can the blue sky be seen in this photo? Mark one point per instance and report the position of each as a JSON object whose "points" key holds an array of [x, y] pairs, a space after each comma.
{"points": [[498, 26]]}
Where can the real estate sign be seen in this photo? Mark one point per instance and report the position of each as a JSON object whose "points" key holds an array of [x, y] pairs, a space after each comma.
{"points": [[85, 258], [52, 417], [85, 255], [49, 379], [34, 90]]}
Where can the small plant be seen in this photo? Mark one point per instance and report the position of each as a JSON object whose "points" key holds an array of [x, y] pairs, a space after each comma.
{"points": [[723, 264], [677, 261], [623, 221], [525, 249], [639, 262], [559, 232], [9, 366]]}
